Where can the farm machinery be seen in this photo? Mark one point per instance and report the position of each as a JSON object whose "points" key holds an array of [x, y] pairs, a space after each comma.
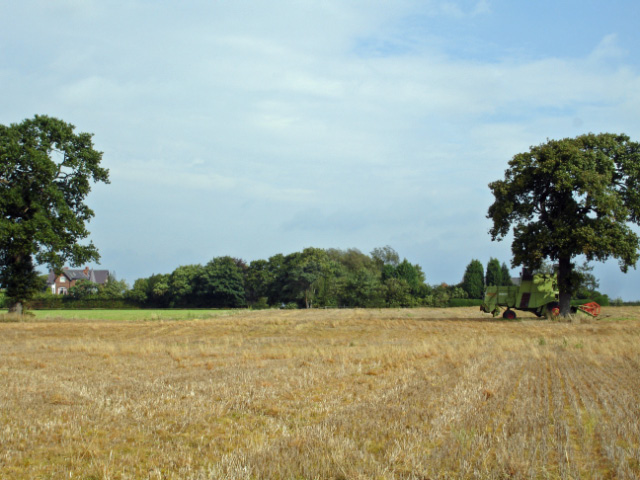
{"points": [[537, 293]]}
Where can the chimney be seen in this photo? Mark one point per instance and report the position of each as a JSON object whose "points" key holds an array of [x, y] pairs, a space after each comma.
{"points": [[86, 271]]}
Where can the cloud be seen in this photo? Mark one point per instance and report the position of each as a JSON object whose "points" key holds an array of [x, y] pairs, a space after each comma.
{"points": [[607, 49], [257, 127]]}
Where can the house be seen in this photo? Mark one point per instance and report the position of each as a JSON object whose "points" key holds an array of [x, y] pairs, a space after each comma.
{"points": [[60, 284]]}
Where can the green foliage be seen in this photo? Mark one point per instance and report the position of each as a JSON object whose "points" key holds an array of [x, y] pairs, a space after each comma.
{"points": [[570, 197], [441, 296], [257, 280], [361, 288], [220, 284], [494, 273], [84, 289], [46, 172], [182, 284], [305, 275], [158, 290], [385, 256], [505, 276], [586, 284], [457, 292], [397, 292], [113, 289], [260, 304], [138, 294], [473, 280], [48, 301], [312, 278]]}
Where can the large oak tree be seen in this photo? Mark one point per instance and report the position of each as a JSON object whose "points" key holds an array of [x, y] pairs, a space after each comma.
{"points": [[570, 197], [46, 172]]}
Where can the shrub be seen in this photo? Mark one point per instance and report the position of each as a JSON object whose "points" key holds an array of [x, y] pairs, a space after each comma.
{"points": [[65, 302], [261, 304]]}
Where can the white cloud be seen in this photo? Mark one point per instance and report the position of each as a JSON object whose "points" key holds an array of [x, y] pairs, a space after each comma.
{"points": [[607, 49], [357, 118]]}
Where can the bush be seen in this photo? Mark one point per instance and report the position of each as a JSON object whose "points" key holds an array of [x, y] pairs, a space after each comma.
{"points": [[261, 304], [65, 302]]}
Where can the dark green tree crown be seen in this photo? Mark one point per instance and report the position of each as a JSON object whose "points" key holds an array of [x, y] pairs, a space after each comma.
{"points": [[46, 171], [571, 197]]}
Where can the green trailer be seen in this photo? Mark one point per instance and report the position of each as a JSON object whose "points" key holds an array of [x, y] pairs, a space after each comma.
{"points": [[537, 293]]}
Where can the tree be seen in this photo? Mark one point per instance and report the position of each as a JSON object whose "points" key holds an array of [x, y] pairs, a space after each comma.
{"points": [[182, 285], [305, 273], [587, 283], [473, 280], [138, 292], [361, 288], [570, 197], [494, 273], [158, 290], [46, 172], [83, 289], [220, 284], [505, 275], [114, 289], [385, 256], [257, 280]]}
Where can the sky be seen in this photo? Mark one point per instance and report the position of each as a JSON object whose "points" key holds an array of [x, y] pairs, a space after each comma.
{"points": [[250, 128]]}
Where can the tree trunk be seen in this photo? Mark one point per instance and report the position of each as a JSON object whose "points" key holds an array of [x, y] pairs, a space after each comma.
{"points": [[564, 285], [16, 308]]}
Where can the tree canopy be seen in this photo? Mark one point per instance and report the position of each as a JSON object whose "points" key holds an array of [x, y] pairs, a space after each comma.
{"points": [[494, 273], [46, 172], [568, 198], [473, 280], [314, 277]]}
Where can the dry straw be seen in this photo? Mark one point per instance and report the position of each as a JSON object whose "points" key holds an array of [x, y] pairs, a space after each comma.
{"points": [[322, 394]]}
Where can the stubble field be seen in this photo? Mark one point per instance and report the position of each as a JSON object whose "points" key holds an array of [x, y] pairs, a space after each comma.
{"points": [[335, 394]]}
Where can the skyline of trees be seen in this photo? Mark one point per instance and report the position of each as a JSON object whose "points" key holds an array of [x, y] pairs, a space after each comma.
{"points": [[313, 277]]}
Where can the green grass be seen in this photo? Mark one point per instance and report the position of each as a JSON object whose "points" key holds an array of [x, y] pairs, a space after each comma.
{"points": [[130, 315]]}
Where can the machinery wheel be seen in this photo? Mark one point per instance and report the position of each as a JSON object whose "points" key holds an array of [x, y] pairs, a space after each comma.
{"points": [[509, 315], [553, 309]]}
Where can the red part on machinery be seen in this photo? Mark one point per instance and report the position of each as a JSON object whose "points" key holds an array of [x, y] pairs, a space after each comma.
{"points": [[592, 308]]}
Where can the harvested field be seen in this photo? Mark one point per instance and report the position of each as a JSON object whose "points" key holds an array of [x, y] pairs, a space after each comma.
{"points": [[330, 394]]}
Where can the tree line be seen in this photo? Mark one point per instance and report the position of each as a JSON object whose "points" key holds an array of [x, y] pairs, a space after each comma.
{"points": [[311, 278], [568, 198]]}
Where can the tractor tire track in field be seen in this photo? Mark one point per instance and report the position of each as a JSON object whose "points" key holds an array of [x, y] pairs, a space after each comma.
{"points": [[590, 414], [617, 428], [495, 432], [577, 447]]}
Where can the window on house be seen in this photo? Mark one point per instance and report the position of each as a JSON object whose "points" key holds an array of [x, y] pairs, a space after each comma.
{"points": [[62, 279]]}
